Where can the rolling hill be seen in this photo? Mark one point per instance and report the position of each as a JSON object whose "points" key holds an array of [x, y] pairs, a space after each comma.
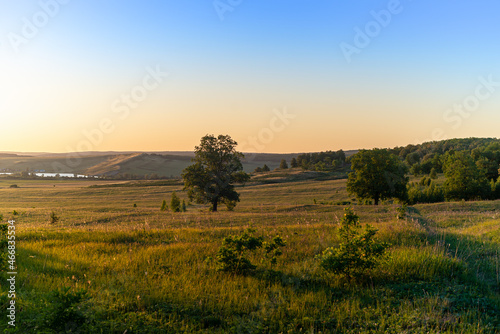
{"points": [[164, 164]]}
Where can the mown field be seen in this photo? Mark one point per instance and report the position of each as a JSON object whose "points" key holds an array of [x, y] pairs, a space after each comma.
{"points": [[108, 266]]}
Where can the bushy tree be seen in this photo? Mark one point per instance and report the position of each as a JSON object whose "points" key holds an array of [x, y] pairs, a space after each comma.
{"points": [[294, 163], [266, 168], [495, 189], [283, 164], [163, 205], [377, 174], [464, 179], [358, 250], [175, 203], [488, 168], [433, 173], [217, 167]]}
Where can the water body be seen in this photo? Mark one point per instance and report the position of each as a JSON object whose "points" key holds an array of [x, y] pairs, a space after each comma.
{"points": [[62, 175], [55, 174]]}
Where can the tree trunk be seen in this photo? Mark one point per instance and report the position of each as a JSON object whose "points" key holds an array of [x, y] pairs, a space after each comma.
{"points": [[376, 200], [214, 205]]}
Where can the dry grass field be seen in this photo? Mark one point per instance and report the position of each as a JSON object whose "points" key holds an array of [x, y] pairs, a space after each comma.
{"points": [[115, 263]]}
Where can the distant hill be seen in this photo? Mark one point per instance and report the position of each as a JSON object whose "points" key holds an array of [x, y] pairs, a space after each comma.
{"points": [[164, 164], [171, 163]]}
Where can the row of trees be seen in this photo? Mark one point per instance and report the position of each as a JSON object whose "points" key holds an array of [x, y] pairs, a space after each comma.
{"points": [[421, 159], [322, 161], [377, 174]]}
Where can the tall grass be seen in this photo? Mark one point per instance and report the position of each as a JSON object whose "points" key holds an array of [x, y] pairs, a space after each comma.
{"points": [[147, 271]]}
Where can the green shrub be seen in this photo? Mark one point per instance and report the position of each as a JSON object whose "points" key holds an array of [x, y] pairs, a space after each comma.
{"points": [[175, 203], [357, 252], [425, 194], [64, 313], [183, 206], [433, 174], [3, 246], [230, 205], [231, 256], [53, 217], [273, 249], [401, 211], [163, 205]]}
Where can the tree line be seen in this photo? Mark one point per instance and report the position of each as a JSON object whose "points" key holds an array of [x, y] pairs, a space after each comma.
{"points": [[471, 167]]}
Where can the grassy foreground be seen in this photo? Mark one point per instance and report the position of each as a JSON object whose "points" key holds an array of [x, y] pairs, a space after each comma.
{"points": [[109, 267]]}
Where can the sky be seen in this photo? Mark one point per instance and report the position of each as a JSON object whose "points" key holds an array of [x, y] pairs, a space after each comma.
{"points": [[277, 76]]}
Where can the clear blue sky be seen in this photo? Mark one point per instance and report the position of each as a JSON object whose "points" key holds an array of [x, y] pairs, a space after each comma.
{"points": [[235, 75]]}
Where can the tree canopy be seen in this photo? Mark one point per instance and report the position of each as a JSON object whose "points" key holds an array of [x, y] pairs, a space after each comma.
{"points": [[217, 166], [464, 180], [377, 174]]}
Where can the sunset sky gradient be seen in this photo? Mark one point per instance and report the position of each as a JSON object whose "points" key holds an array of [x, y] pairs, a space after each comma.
{"points": [[232, 72]]}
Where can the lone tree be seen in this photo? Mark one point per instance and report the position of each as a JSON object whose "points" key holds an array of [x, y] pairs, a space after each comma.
{"points": [[217, 166], [377, 174]]}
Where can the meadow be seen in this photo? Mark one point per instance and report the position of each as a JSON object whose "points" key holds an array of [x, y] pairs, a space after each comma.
{"points": [[115, 263]]}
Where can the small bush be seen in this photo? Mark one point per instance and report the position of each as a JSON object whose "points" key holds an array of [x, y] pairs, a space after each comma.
{"points": [[163, 206], [53, 217], [283, 164], [183, 206], [64, 313], [13, 186], [433, 173], [230, 205], [401, 211], [15, 213], [357, 252], [231, 256], [3, 246], [175, 203], [273, 249]]}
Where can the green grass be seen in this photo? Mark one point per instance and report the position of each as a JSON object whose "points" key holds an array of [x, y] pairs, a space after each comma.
{"points": [[147, 271]]}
